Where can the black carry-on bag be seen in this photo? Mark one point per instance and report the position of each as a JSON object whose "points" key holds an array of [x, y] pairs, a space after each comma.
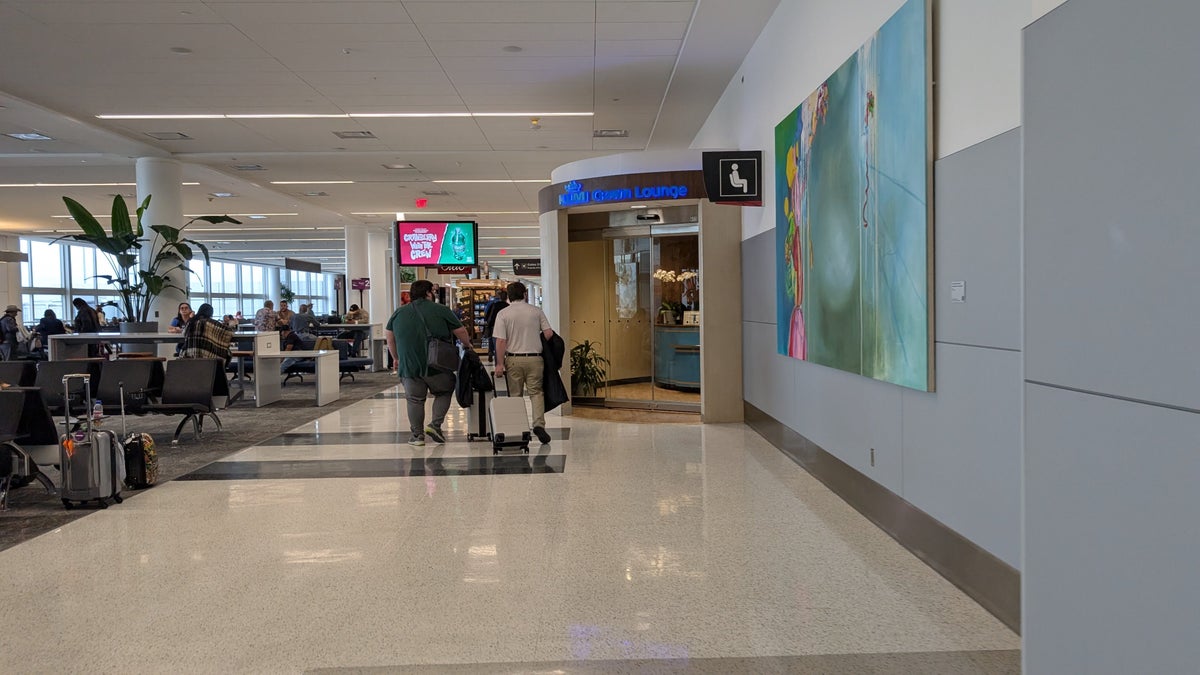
{"points": [[91, 460], [508, 421], [141, 459]]}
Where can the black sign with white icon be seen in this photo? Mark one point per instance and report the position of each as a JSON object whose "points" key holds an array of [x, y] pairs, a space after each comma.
{"points": [[734, 177], [527, 267]]}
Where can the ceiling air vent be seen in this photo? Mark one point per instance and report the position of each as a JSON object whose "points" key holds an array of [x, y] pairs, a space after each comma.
{"points": [[354, 134], [610, 133], [249, 167], [435, 193], [168, 136]]}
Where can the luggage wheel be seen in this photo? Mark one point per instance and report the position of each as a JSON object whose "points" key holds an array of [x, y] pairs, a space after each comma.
{"points": [[118, 499]]}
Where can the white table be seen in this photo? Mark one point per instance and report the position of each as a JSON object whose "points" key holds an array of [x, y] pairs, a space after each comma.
{"points": [[268, 386], [375, 339], [74, 345]]}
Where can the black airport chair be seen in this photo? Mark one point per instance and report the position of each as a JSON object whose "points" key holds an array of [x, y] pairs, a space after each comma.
{"points": [[192, 388], [49, 381], [18, 373], [11, 404], [142, 379]]}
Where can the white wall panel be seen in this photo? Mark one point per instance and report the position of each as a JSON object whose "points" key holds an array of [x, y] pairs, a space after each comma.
{"points": [[977, 240], [1110, 218], [962, 447], [1111, 535]]}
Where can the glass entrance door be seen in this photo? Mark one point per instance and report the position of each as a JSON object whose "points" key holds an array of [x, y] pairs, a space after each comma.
{"points": [[652, 332]]}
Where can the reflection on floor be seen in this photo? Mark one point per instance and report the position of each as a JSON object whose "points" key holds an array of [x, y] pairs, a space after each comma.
{"points": [[644, 391], [633, 416], [635, 548]]}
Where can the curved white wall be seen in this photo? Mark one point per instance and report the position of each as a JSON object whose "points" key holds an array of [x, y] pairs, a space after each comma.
{"points": [[628, 162]]}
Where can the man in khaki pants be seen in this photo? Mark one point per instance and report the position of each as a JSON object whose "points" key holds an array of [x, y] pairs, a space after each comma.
{"points": [[518, 336]]}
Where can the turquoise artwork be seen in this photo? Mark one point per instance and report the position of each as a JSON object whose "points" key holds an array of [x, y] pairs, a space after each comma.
{"points": [[853, 232]]}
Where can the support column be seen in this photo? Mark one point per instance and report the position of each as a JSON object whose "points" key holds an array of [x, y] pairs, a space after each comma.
{"points": [[274, 286], [160, 178], [721, 313], [556, 284], [380, 268], [358, 263], [10, 281]]}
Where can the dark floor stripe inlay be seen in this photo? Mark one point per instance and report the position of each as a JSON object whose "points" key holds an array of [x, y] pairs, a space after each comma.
{"points": [[381, 438], [382, 468]]}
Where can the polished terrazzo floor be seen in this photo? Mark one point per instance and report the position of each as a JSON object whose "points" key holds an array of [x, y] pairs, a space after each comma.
{"points": [[645, 548]]}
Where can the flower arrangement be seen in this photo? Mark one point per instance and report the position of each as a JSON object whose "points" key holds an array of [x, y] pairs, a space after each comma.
{"points": [[673, 294]]}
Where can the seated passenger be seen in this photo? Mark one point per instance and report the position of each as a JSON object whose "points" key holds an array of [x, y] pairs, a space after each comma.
{"points": [[206, 338], [304, 321], [356, 315], [183, 314], [289, 341]]}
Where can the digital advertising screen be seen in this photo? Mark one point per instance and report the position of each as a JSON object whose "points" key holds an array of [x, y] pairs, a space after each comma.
{"points": [[429, 244]]}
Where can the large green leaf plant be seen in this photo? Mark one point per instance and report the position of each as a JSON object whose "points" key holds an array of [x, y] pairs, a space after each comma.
{"points": [[167, 266]]}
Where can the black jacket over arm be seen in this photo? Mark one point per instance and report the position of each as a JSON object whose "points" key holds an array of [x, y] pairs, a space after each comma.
{"points": [[553, 391]]}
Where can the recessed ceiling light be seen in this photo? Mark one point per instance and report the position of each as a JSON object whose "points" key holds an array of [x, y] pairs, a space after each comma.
{"points": [[168, 136], [354, 134], [62, 185], [312, 182], [221, 195], [29, 136], [398, 166], [512, 49], [180, 50], [610, 133], [497, 180], [305, 116], [256, 217], [638, 206], [442, 213]]}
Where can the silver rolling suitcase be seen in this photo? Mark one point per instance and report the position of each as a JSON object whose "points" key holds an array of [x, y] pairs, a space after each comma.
{"points": [[91, 459], [508, 421]]}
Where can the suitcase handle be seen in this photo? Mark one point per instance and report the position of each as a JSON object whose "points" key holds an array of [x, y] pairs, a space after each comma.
{"points": [[87, 398], [121, 389]]}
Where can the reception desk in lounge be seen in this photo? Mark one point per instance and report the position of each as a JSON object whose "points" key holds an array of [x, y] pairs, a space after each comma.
{"points": [[677, 356]]}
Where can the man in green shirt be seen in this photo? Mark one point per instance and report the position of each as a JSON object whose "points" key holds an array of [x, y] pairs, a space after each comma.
{"points": [[408, 343]]}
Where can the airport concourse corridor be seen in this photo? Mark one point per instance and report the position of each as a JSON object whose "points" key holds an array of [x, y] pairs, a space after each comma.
{"points": [[619, 547]]}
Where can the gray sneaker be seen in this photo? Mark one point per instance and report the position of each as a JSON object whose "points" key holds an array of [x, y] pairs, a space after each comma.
{"points": [[417, 441], [435, 435]]}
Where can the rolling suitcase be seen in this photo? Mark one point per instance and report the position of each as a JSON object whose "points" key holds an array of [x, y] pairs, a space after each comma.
{"points": [[91, 460], [141, 459], [508, 422]]}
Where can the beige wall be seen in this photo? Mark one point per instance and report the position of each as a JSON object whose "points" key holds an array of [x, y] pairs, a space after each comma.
{"points": [[593, 299], [720, 313]]}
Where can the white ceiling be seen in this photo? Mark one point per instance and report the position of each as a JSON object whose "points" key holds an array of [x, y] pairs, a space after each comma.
{"points": [[652, 67]]}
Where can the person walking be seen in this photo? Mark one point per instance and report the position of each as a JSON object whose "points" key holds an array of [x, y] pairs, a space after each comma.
{"points": [[10, 333], [407, 333], [519, 330], [497, 303]]}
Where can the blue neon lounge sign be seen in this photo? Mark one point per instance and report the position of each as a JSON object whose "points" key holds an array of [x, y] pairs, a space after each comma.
{"points": [[574, 194]]}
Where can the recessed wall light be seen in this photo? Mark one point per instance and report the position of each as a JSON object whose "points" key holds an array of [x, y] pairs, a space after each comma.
{"points": [[29, 136]]}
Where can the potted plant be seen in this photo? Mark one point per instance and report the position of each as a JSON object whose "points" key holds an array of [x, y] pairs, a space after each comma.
{"points": [[166, 267], [588, 368], [670, 312], [286, 293]]}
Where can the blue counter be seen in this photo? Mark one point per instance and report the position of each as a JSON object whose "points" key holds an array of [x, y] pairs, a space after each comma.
{"points": [[677, 357]]}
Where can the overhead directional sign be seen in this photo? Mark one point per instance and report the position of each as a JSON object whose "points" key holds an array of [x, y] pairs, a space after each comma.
{"points": [[527, 267]]}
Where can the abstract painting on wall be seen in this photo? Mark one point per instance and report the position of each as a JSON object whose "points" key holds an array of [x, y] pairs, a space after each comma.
{"points": [[853, 228]]}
